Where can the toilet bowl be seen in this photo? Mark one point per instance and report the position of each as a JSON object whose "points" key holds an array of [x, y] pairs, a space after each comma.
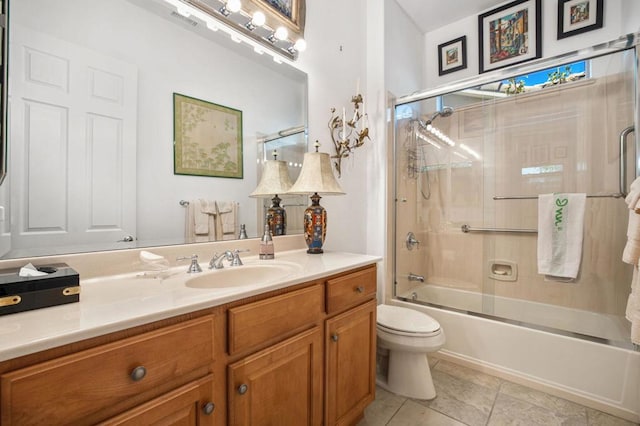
{"points": [[408, 336]]}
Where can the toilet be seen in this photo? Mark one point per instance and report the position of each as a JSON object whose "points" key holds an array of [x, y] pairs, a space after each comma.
{"points": [[405, 336]]}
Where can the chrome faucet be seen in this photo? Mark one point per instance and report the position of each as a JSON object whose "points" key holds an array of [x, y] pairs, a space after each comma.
{"points": [[414, 277], [216, 260], [232, 256]]}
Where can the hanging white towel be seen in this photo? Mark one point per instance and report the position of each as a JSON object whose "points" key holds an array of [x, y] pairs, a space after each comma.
{"points": [[633, 306], [560, 231], [226, 220], [201, 217]]}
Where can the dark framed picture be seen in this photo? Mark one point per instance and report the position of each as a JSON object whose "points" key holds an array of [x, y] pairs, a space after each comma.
{"points": [[579, 16], [207, 138], [510, 34], [452, 55]]}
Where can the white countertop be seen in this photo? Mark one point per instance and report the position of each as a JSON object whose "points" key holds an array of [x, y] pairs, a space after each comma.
{"points": [[118, 302]]}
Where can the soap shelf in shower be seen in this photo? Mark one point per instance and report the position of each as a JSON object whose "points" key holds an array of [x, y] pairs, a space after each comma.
{"points": [[466, 229]]}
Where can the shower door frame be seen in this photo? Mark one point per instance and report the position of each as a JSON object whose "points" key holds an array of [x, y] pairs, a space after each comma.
{"points": [[628, 42]]}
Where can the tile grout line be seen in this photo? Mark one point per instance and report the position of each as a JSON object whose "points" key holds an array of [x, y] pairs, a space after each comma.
{"points": [[494, 402], [396, 412]]}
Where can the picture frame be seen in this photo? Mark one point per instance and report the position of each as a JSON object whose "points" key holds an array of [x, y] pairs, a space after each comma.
{"points": [[288, 13], [579, 16], [510, 34], [452, 55], [207, 138]]}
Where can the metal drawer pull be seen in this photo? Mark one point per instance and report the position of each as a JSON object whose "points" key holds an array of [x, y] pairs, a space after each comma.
{"points": [[138, 373], [242, 389], [334, 337], [208, 408], [360, 289]]}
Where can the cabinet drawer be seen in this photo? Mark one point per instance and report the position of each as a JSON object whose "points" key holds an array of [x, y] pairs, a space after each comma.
{"points": [[255, 324], [191, 404], [351, 289], [75, 388]]}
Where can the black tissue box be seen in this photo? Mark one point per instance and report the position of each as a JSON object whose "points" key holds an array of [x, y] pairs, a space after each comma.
{"points": [[61, 285]]}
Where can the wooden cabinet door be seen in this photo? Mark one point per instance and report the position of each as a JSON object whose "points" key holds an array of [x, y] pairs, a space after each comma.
{"points": [[351, 361], [189, 405], [281, 385]]}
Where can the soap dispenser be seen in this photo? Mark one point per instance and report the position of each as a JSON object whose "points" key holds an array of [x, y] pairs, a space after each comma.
{"points": [[266, 244]]}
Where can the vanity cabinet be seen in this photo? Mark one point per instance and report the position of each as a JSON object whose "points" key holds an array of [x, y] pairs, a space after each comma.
{"points": [[301, 355], [350, 339], [92, 385]]}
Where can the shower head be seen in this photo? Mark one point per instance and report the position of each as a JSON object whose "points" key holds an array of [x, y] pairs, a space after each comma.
{"points": [[444, 112]]}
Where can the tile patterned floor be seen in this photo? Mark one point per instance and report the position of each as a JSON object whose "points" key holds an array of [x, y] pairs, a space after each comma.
{"points": [[469, 398]]}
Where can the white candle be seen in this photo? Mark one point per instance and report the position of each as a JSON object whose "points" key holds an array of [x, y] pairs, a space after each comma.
{"points": [[344, 125], [358, 86], [363, 114]]}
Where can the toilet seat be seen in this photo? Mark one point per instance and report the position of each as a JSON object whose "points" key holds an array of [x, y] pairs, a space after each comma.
{"points": [[406, 322]]}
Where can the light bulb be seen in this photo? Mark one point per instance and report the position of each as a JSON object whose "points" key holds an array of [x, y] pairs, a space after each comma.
{"points": [[300, 45], [233, 6], [258, 19], [281, 33]]}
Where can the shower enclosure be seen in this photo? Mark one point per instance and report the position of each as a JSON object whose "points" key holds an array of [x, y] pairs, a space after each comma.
{"points": [[471, 160]]}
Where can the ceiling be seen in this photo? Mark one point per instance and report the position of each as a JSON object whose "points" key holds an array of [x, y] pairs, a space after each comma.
{"points": [[431, 14]]}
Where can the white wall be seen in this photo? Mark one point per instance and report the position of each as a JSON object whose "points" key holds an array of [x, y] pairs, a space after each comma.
{"points": [[403, 52], [619, 17], [172, 59], [334, 61]]}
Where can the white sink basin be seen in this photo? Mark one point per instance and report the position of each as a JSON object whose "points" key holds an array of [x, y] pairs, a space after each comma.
{"points": [[246, 275]]}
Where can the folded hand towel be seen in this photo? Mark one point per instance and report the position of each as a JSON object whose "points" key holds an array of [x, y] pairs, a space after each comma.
{"points": [[201, 218], [227, 212], [560, 231]]}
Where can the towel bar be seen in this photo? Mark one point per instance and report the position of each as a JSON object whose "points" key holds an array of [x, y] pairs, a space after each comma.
{"points": [[184, 203], [466, 228], [534, 197]]}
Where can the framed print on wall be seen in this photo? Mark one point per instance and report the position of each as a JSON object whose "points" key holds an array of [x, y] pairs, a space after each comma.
{"points": [[207, 138], [510, 34], [452, 55], [579, 16]]}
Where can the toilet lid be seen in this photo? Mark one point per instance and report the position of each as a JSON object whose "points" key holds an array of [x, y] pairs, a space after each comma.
{"points": [[406, 320]]}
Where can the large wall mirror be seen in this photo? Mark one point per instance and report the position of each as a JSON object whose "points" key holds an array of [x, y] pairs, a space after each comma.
{"points": [[91, 123]]}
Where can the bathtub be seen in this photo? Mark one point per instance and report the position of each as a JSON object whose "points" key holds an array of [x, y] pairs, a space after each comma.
{"points": [[587, 371]]}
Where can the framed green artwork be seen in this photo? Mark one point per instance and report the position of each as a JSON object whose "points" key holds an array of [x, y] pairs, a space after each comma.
{"points": [[207, 138]]}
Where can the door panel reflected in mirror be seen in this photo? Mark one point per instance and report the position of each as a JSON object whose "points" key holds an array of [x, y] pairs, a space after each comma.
{"points": [[91, 127]]}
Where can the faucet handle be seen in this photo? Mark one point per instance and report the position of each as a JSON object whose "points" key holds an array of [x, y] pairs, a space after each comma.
{"points": [[236, 257], [194, 267]]}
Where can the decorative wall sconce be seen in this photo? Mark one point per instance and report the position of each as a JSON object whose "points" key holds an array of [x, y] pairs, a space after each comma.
{"points": [[259, 23], [347, 135]]}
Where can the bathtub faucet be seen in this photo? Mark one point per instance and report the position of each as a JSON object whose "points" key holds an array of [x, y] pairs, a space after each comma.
{"points": [[414, 277]]}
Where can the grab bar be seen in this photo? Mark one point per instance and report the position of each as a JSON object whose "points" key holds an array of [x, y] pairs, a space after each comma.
{"points": [[533, 197], [623, 159], [466, 228]]}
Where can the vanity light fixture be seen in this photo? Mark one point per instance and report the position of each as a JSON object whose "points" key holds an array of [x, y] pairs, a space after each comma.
{"points": [[232, 6], [257, 20], [280, 33], [299, 46], [242, 26]]}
